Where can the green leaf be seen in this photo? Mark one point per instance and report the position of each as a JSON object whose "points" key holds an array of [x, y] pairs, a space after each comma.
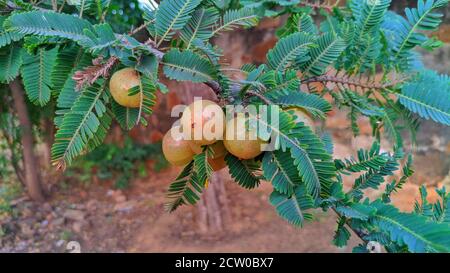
{"points": [[244, 172], [199, 26], [7, 37], [173, 15], [126, 117], [342, 235], [314, 164], [355, 211], [186, 189], [366, 160], [82, 127], [409, 33], [414, 231], [66, 60], [369, 14], [10, 63], [428, 96], [328, 51], [202, 167], [312, 103], [293, 207], [232, 19], [68, 94], [49, 24], [37, 75], [288, 49], [281, 172], [298, 23], [147, 95], [187, 66]]}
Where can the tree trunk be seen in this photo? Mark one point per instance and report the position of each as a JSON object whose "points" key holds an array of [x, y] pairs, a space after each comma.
{"points": [[213, 211], [32, 175], [48, 130]]}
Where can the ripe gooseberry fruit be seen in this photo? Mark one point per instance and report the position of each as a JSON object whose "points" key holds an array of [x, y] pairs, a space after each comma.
{"points": [[175, 149], [218, 149], [120, 84], [301, 116], [203, 122], [241, 141]]}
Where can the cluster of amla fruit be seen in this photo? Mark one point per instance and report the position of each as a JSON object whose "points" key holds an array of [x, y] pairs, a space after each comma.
{"points": [[203, 123], [182, 142]]}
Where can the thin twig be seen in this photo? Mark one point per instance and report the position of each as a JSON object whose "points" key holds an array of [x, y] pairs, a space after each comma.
{"points": [[62, 6], [260, 96], [318, 5], [346, 81]]}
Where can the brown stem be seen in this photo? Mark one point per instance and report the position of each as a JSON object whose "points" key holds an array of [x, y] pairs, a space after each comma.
{"points": [[32, 175], [260, 96], [346, 81], [318, 5]]}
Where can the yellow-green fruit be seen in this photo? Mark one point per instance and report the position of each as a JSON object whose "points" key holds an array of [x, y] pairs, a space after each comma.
{"points": [[218, 148], [203, 122], [302, 116], [217, 163], [242, 142], [175, 149], [120, 84]]}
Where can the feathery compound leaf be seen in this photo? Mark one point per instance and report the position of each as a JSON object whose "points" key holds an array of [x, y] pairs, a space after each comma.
{"points": [[65, 61], [314, 163], [292, 207], [373, 178], [342, 235], [186, 189], [173, 15], [147, 96], [312, 103], [199, 26], [285, 82], [36, 74], [232, 19], [202, 167], [187, 66], [49, 24], [68, 94], [288, 49], [415, 231], [405, 34], [126, 117], [281, 172], [244, 172], [10, 62], [366, 160], [355, 211], [328, 50], [298, 23], [369, 13], [7, 37], [80, 125], [428, 96]]}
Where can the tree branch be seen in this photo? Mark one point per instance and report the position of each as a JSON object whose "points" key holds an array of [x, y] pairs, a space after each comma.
{"points": [[318, 5], [260, 96], [349, 82], [92, 73]]}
